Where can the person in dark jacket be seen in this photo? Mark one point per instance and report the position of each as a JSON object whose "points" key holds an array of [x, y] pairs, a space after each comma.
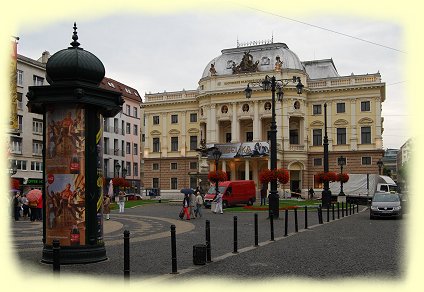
{"points": [[186, 205]]}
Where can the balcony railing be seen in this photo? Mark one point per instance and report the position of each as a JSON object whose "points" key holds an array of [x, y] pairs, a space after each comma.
{"points": [[297, 147]]}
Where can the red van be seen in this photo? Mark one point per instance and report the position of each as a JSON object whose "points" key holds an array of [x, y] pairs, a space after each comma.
{"points": [[235, 192]]}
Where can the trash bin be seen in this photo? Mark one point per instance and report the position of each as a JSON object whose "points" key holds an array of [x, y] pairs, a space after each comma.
{"points": [[199, 254]]}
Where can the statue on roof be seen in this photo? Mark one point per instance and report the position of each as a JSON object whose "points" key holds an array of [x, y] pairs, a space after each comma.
{"points": [[278, 64], [212, 70], [246, 64]]}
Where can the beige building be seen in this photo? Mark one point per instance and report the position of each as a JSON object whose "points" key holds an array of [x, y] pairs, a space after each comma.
{"points": [[219, 112]]}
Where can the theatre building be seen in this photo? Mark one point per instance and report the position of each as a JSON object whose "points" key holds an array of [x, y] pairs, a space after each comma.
{"points": [[219, 113]]}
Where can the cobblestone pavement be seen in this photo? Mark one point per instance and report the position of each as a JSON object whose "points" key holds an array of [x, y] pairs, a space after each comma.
{"points": [[347, 247]]}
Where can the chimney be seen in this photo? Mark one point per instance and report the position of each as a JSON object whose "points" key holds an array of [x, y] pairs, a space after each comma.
{"points": [[45, 57]]}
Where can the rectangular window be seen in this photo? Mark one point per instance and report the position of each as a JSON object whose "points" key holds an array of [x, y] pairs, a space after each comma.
{"points": [[366, 160], [20, 77], [155, 166], [365, 135], [155, 182], [365, 106], [193, 118], [193, 165], [135, 166], [318, 185], [128, 128], [174, 143], [193, 182], [16, 145], [174, 166], [249, 136], [20, 164], [156, 145], [135, 111], [341, 107], [36, 166], [128, 167], [316, 108], [20, 122], [128, 148], [122, 128], [128, 110], [317, 137], [341, 136], [143, 138], [37, 147], [227, 137], [135, 130], [155, 120], [317, 161], [37, 126], [174, 183], [193, 142], [135, 149], [38, 81], [294, 136], [174, 119]]}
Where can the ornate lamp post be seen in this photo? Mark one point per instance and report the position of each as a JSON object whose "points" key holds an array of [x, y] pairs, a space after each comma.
{"points": [[216, 156], [380, 165], [275, 86], [341, 161], [326, 193]]}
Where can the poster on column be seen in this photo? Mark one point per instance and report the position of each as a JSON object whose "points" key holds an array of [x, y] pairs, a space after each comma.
{"points": [[65, 180]]}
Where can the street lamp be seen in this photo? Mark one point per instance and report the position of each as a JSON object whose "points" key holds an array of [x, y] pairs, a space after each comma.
{"points": [[380, 165], [326, 193], [341, 161], [275, 86], [117, 168], [216, 155]]}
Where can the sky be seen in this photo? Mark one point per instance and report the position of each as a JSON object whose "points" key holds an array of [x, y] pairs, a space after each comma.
{"points": [[168, 52]]}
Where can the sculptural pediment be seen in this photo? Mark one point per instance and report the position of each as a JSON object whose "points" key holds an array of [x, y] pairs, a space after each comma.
{"points": [[174, 132], [155, 133], [341, 122], [193, 131], [317, 124], [365, 121]]}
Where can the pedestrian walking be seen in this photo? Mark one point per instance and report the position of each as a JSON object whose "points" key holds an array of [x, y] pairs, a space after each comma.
{"points": [[16, 206], [192, 205], [186, 205], [218, 201], [263, 194], [106, 206], [199, 203], [121, 201], [39, 209], [25, 206], [311, 193]]}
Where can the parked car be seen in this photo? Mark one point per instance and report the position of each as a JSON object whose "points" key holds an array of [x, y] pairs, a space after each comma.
{"points": [[235, 192], [386, 205], [133, 197]]}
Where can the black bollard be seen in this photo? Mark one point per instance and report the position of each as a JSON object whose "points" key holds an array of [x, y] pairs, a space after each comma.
{"points": [[357, 208], [126, 255], [235, 235], [346, 209], [56, 256], [296, 228], [342, 209], [328, 213], [286, 222], [256, 230], [338, 210], [320, 215], [350, 209], [271, 222], [208, 241], [306, 217], [174, 250], [332, 209], [353, 209]]}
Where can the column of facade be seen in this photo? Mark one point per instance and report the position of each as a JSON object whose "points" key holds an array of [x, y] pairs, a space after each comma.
{"points": [[246, 169], [208, 124], [234, 124], [183, 146], [353, 131], [212, 116], [146, 133], [256, 122], [224, 165], [378, 139], [285, 126], [164, 142], [329, 126]]}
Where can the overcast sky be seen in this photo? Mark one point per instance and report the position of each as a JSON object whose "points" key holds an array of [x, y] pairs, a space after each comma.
{"points": [[154, 53]]}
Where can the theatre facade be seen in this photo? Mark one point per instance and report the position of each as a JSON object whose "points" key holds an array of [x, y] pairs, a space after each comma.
{"points": [[218, 114]]}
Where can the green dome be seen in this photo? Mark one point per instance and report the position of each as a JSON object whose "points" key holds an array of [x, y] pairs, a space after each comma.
{"points": [[74, 64]]}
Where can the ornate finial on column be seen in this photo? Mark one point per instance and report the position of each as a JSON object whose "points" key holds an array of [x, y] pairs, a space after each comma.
{"points": [[75, 44]]}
